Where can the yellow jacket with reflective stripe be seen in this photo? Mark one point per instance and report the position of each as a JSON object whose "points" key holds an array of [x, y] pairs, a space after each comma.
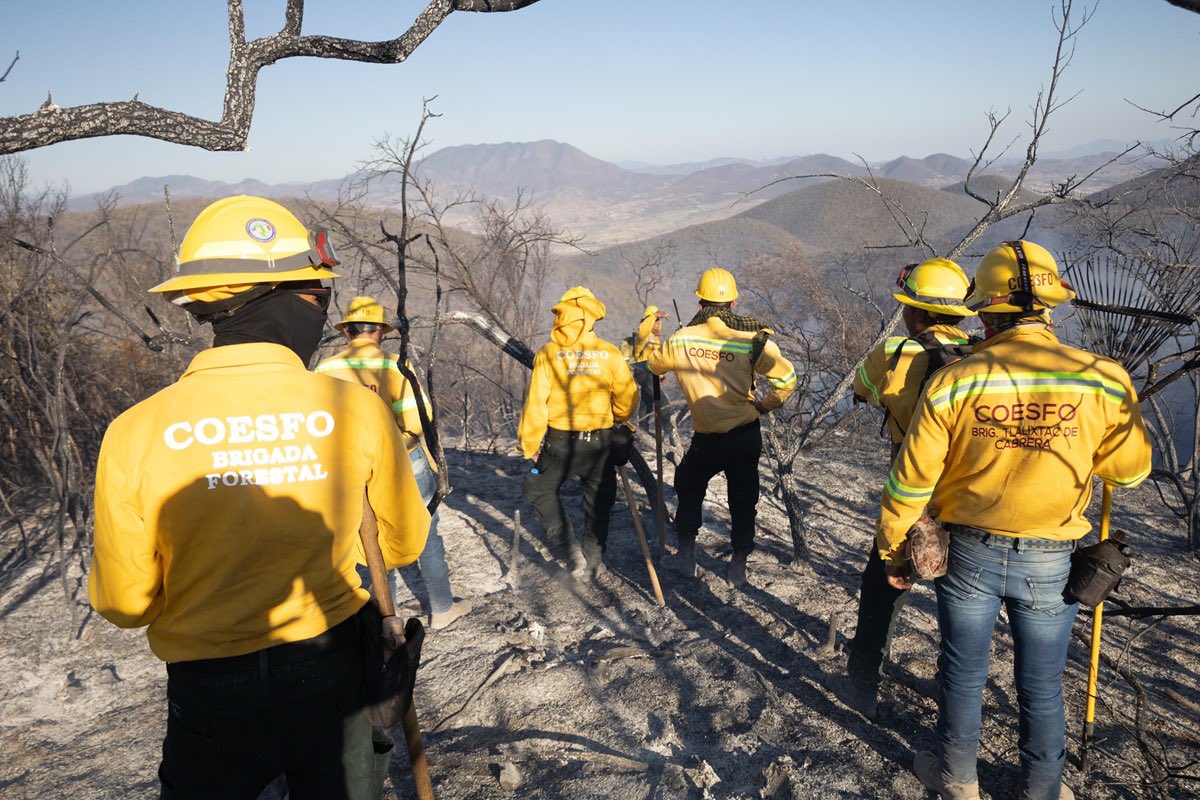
{"points": [[644, 340], [890, 377], [1008, 439], [585, 385], [712, 363], [364, 363], [228, 505]]}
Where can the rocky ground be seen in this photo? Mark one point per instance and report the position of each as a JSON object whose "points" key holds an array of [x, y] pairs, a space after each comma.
{"points": [[550, 689]]}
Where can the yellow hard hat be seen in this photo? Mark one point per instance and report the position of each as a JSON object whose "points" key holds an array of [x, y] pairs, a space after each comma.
{"points": [[241, 242], [937, 285], [717, 286], [653, 311], [364, 309], [1018, 276]]}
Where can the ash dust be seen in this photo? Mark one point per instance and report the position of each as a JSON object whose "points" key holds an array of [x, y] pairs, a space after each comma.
{"points": [[557, 689]]}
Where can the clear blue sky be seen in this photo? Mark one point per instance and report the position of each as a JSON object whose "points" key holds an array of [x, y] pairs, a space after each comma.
{"points": [[656, 81]]}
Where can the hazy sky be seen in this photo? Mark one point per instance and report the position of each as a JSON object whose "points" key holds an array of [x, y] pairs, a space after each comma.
{"points": [[659, 81]]}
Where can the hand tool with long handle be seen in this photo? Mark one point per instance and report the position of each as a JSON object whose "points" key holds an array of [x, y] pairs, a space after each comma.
{"points": [[660, 511], [1089, 717], [641, 534], [369, 533]]}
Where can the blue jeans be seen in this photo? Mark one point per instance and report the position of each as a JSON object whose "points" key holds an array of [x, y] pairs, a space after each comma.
{"points": [[435, 572], [1028, 576]]}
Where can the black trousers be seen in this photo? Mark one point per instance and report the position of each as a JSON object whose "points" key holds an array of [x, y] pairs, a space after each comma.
{"points": [[879, 607], [735, 453], [574, 454], [235, 723], [645, 383]]}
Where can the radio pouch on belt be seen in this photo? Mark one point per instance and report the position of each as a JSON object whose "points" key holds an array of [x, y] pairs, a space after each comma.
{"points": [[928, 548], [1097, 569]]}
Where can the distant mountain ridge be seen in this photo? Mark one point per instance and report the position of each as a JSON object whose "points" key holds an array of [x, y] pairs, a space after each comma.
{"points": [[609, 203]]}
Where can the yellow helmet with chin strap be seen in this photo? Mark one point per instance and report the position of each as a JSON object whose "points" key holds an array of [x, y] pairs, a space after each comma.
{"points": [[364, 309], [717, 286], [937, 285], [1016, 277], [241, 242]]}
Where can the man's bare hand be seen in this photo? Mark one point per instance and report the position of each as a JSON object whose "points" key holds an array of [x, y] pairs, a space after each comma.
{"points": [[898, 577]]}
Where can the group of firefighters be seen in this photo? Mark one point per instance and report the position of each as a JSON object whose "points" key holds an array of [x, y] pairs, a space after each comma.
{"points": [[228, 505]]}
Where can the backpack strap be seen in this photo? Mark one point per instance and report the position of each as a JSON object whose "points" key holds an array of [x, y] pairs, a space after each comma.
{"points": [[949, 352], [893, 362]]}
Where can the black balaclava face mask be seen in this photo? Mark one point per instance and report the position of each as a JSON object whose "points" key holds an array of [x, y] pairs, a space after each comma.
{"points": [[280, 317]]}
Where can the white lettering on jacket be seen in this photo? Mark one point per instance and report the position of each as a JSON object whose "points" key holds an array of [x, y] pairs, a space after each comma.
{"points": [[246, 430], [266, 476], [574, 355]]}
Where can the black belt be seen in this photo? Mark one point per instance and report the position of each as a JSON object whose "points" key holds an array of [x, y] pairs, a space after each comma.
{"points": [[342, 635], [1013, 542], [583, 436]]}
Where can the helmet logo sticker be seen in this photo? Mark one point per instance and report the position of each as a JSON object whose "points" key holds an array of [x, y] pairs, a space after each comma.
{"points": [[260, 230]]}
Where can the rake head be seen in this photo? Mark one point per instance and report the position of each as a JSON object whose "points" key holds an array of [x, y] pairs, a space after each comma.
{"points": [[1128, 308]]}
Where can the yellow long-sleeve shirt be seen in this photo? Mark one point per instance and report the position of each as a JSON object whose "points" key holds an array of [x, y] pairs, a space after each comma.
{"points": [[579, 382], [892, 374], [712, 363], [228, 505], [644, 340], [366, 364], [1007, 440]]}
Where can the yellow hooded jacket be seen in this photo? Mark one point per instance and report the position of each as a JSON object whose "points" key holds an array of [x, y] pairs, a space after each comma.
{"points": [[579, 383], [364, 363], [712, 363], [1007, 440], [228, 505], [898, 387]]}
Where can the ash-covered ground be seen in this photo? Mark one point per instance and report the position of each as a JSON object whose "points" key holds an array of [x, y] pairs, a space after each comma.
{"points": [[553, 689]]}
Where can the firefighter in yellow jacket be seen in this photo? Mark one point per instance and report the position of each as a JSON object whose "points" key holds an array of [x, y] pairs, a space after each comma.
{"points": [[579, 388], [365, 363], [1003, 448], [892, 377], [227, 515], [716, 360], [637, 348]]}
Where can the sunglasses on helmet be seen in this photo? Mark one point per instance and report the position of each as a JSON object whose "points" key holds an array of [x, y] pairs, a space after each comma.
{"points": [[321, 252]]}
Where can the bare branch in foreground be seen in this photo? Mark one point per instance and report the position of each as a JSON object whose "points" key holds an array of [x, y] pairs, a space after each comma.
{"points": [[51, 124], [11, 64]]}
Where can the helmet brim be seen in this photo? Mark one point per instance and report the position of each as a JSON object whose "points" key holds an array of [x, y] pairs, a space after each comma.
{"points": [[182, 283], [954, 309], [1003, 304], [341, 326]]}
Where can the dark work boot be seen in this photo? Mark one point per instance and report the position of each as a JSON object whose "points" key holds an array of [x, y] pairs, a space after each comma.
{"points": [[856, 694], [737, 570], [686, 556]]}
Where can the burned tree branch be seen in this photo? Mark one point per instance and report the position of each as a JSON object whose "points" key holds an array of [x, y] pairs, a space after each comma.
{"points": [[51, 123], [11, 64]]}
